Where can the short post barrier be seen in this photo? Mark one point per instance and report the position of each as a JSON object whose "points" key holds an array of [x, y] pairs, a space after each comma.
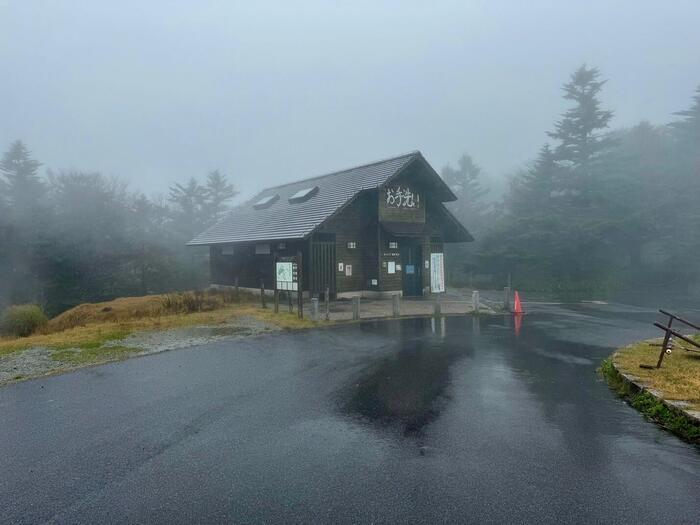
{"points": [[236, 287], [506, 298], [262, 293], [437, 309], [314, 308], [396, 304], [277, 301], [290, 304], [356, 308], [475, 301], [327, 300]]}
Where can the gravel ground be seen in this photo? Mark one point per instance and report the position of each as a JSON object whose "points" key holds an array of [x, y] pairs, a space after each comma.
{"points": [[37, 361]]}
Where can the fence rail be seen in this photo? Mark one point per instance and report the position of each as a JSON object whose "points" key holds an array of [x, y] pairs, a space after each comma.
{"points": [[670, 333]]}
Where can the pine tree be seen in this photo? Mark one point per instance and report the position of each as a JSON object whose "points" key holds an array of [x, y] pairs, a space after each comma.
{"points": [[218, 192], [579, 131], [22, 186], [687, 129], [188, 201]]}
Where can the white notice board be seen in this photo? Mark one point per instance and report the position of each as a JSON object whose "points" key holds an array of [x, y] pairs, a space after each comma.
{"points": [[286, 275], [437, 272]]}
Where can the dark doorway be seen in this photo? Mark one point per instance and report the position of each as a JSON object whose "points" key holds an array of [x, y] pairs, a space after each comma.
{"points": [[322, 265], [411, 259]]}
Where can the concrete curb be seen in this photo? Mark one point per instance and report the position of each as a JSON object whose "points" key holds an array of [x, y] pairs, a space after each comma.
{"points": [[640, 386]]}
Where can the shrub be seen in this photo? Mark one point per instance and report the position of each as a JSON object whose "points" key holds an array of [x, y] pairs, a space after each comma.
{"points": [[22, 320]]}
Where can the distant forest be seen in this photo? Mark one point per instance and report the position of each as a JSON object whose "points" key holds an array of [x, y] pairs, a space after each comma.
{"points": [[595, 211], [598, 210]]}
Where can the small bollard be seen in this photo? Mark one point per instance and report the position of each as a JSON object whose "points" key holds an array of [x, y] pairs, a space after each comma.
{"points": [[314, 308], [262, 293], [475, 301], [506, 298], [396, 303], [237, 296], [356, 308], [327, 300], [277, 301], [437, 309]]}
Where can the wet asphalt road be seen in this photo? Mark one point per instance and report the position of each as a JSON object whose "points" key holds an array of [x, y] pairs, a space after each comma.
{"points": [[405, 421]]}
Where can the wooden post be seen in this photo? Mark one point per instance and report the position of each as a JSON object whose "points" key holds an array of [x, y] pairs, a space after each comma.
{"points": [[327, 300], [356, 308], [290, 305], [236, 281], [277, 301], [396, 304], [262, 293], [506, 298], [300, 287], [664, 346]]}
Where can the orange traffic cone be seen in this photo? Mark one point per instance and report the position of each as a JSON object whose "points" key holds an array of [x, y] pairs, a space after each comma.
{"points": [[517, 307]]}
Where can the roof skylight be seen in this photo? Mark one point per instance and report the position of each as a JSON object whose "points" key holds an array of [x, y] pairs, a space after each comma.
{"points": [[266, 202], [303, 195]]}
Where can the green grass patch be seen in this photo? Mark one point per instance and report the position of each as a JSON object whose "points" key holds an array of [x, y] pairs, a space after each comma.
{"points": [[653, 409], [79, 356]]}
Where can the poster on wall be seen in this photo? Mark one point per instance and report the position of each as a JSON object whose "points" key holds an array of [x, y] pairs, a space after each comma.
{"points": [[437, 272]]}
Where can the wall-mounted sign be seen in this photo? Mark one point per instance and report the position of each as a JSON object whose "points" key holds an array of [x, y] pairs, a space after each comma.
{"points": [[402, 197], [391, 268], [410, 269], [398, 267], [437, 272], [348, 270], [401, 203], [340, 267], [286, 275], [374, 282]]}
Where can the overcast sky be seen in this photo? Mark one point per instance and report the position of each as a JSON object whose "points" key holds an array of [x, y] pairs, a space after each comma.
{"points": [[158, 91]]}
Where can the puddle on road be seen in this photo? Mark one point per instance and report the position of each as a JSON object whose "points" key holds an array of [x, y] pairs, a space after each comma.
{"points": [[406, 390]]}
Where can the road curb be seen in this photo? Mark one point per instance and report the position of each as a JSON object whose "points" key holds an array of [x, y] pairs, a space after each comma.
{"points": [[640, 386]]}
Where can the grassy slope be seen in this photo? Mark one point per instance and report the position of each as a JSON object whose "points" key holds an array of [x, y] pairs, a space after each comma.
{"points": [[678, 378], [89, 326]]}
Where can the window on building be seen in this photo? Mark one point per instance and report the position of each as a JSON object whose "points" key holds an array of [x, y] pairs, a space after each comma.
{"points": [[303, 195], [266, 202], [393, 245], [352, 245]]}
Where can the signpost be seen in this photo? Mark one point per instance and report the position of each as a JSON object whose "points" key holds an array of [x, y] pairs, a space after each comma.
{"points": [[288, 279]]}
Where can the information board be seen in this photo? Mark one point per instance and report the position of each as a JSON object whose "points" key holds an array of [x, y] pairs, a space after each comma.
{"points": [[286, 275], [437, 272]]}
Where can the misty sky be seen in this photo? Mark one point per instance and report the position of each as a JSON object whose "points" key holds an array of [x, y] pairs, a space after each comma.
{"points": [[158, 91]]}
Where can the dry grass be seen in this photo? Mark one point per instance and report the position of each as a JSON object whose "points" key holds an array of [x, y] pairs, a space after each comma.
{"points": [[89, 326], [678, 379]]}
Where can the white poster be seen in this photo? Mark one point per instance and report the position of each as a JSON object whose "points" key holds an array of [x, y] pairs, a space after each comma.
{"points": [[437, 272], [392, 267], [348, 270]]}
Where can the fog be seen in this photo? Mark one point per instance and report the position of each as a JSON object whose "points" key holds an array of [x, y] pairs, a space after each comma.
{"points": [[569, 131], [160, 91]]}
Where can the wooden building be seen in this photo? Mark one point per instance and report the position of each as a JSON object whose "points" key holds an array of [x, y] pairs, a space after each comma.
{"points": [[370, 230]]}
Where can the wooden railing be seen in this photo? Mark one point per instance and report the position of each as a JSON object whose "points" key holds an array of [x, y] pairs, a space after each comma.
{"points": [[670, 333]]}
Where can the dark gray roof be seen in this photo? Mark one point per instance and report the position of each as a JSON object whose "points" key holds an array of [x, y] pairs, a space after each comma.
{"points": [[284, 220]]}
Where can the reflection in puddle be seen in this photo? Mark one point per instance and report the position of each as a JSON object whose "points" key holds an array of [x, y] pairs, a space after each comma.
{"points": [[406, 390]]}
